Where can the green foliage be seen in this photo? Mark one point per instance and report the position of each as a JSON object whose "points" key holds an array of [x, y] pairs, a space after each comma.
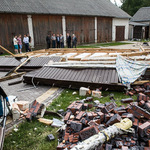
{"points": [[132, 6]]}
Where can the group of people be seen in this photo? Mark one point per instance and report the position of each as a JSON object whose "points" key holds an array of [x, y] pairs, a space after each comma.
{"points": [[58, 41], [17, 42]]}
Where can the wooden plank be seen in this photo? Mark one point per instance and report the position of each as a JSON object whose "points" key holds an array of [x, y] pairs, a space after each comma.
{"points": [[46, 95]]}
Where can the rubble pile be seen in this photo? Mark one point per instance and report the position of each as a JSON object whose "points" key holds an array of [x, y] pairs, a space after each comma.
{"points": [[81, 123]]}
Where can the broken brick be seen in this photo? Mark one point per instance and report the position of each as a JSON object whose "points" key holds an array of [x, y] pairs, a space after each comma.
{"points": [[79, 116], [109, 108], [144, 129], [84, 121], [142, 103], [76, 126], [138, 112], [90, 106], [67, 116], [61, 146], [33, 110], [139, 89], [127, 100], [88, 132], [116, 118], [143, 97], [101, 115], [147, 92], [89, 99]]}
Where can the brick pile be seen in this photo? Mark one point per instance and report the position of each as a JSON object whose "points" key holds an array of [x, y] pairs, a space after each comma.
{"points": [[82, 123]]}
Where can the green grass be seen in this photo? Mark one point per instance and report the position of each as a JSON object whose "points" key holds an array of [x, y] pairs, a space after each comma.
{"points": [[28, 138], [102, 44]]}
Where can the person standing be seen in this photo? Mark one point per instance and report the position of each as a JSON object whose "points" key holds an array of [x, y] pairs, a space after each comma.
{"points": [[68, 40], [48, 41], [58, 41], [26, 42], [53, 41], [61, 41], [74, 41], [19, 43], [30, 39], [15, 41]]}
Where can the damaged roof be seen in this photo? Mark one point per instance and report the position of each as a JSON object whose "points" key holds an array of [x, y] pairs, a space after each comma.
{"points": [[142, 15], [63, 7]]}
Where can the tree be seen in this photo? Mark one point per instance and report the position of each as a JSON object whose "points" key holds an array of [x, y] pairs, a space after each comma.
{"points": [[132, 6]]}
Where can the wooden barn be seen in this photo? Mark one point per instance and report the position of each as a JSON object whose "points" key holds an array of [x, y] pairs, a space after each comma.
{"points": [[143, 16], [91, 21]]}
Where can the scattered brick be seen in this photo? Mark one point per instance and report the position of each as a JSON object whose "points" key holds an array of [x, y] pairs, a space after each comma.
{"points": [[144, 129], [116, 118], [108, 146], [76, 126], [88, 132], [67, 116], [109, 108], [143, 97], [127, 100], [79, 116]]}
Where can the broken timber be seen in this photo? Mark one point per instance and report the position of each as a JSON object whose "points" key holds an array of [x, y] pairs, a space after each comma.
{"points": [[12, 76]]}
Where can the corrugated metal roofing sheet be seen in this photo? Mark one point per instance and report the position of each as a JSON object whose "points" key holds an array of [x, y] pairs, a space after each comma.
{"points": [[34, 62], [76, 77], [63, 7]]}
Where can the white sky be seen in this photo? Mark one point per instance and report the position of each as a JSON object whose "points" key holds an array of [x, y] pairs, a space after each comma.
{"points": [[117, 1]]}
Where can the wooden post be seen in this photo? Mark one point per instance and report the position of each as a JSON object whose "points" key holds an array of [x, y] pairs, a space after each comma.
{"points": [[95, 29], [64, 28], [30, 26]]}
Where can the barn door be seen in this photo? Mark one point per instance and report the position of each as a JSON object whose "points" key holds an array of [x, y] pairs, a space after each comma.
{"points": [[120, 33]]}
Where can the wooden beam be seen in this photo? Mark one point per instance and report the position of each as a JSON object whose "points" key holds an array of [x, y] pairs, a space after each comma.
{"points": [[12, 76]]}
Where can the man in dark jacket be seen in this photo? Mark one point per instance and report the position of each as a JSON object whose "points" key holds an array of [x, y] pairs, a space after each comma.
{"points": [[74, 41], [68, 40], [48, 41], [58, 41]]}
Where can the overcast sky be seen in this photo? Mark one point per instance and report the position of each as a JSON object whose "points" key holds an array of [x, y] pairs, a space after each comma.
{"points": [[117, 1]]}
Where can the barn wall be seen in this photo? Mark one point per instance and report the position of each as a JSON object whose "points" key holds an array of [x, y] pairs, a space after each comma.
{"points": [[120, 22], [42, 24], [104, 27], [11, 24], [82, 27]]}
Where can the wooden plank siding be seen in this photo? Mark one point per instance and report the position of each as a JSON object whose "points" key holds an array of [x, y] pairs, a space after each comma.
{"points": [[11, 24], [82, 27], [104, 27], [43, 24]]}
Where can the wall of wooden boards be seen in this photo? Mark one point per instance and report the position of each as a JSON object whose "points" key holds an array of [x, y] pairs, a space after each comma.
{"points": [[82, 26], [11, 24], [104, 27]]}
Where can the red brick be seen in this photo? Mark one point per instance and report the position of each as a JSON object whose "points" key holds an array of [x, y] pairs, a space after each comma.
{"points": [[144, 129], [88, 132], [142, 103], [143, 97], [109, 108], [79, 116], [127, 100], [101, 115], [67, 116], [66, 137], [61, 146], [93, 123]]}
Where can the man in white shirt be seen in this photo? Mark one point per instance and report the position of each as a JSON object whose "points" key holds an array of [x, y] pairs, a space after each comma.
{"points": [[26, 42]]}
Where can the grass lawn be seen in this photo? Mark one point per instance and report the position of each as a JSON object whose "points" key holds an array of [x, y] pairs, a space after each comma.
{"points": [[33, 135], [102, 44]]}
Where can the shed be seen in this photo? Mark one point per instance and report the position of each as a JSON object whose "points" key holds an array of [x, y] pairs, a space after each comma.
{"points": [[143, 16], [91, 20]]}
